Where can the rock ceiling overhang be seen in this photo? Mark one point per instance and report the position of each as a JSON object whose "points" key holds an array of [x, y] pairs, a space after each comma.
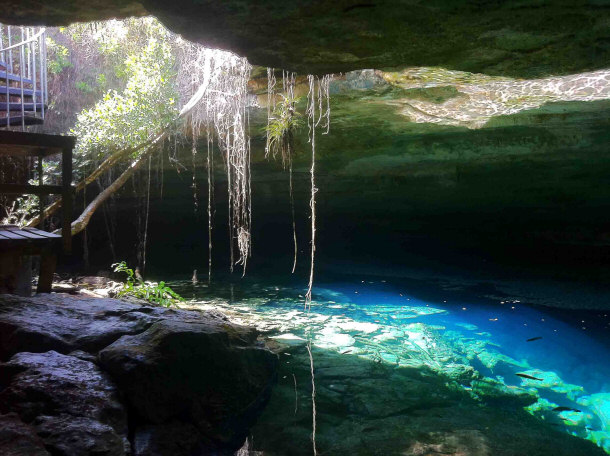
{"points": [[520, 38]]}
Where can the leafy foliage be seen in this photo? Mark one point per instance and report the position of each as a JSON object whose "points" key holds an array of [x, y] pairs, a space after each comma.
{"points": [[59, 56], [130, 117], [156, 293], [284, 121], [20, 210]]}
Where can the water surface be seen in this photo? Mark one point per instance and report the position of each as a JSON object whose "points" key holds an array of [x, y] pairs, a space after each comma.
{"points": [[456, 345]]}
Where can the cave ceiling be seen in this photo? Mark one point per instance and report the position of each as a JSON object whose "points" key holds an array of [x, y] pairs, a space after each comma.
{"points": [[525, 39]]}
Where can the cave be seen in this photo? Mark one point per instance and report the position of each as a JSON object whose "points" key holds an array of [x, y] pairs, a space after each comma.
{"points": [[350, 227]]}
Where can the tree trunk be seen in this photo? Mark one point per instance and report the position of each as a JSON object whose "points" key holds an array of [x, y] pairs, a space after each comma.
{"points": [[83, 220]]}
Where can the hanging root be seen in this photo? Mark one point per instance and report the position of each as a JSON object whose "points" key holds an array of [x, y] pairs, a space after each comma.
{"points": [[313, 399], [224, 106], [270, 105], [288, 83], [194, 163], [294, 224], [210, 192], [319, 97], [146, 221], [311, 123], [296, 396]]}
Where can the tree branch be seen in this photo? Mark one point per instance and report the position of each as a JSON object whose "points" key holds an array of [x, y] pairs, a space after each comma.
{"points": [[81, 222]]}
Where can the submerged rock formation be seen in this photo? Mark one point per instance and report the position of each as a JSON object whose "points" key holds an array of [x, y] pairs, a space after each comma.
{"points": [[99, 376], [366, 407]]}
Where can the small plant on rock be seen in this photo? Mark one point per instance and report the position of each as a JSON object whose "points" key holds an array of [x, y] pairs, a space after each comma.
{"points": [[153, 292]]}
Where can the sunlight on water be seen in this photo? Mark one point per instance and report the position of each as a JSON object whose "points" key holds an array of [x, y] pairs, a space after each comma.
{"points": [[554, 364]]}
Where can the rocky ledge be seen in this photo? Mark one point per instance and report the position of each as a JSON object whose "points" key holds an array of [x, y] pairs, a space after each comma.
{"points": [[83, 376]]}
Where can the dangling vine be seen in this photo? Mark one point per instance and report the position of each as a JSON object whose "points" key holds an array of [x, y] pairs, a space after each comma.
{"points": [[311, 123], [194, 164], [271, 81], [210, 169], [319, 97], [223, 104], [147, 214], [282, 121]]}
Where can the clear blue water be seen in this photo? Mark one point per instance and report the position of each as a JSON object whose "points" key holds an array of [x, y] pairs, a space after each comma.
{"points": [[570, 353], [574, 344]]}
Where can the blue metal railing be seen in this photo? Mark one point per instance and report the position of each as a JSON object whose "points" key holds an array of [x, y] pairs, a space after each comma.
{"points": [[23, 74]]}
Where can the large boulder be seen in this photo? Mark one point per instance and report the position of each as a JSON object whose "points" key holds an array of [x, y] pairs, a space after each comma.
{"points": [[50, 384], [84, 374], [67, 323], [210, 373], [72, 405], [56, 322]]}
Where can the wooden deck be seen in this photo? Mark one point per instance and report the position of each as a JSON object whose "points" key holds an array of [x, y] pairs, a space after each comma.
{"points": [[23, 144], [13, 234]]}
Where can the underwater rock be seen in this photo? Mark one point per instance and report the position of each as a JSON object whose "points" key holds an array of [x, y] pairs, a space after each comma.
{"points": [[73, 406], [364, 327], [553, 382], [331, 337], [456, 443], [389, 334], [467, 326], [497, 393], [600, 405], [289, 338], [18, 438], [461, 373], [209, 373], [491, 359], [366, 407]]}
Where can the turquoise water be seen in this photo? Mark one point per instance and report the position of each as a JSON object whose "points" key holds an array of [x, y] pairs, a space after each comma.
{"points": [[472, 346]]}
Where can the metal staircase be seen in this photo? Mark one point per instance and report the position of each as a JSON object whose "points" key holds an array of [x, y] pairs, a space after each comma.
{"points": [[23, 77]]}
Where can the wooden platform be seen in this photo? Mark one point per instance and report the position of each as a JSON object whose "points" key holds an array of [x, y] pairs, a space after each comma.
{"points": [[17, 245], [30, 236], [24, 144]]}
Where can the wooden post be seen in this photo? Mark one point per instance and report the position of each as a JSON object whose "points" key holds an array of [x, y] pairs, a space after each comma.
{"points": [[41, 199], [48, 261], [66, 195]]}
